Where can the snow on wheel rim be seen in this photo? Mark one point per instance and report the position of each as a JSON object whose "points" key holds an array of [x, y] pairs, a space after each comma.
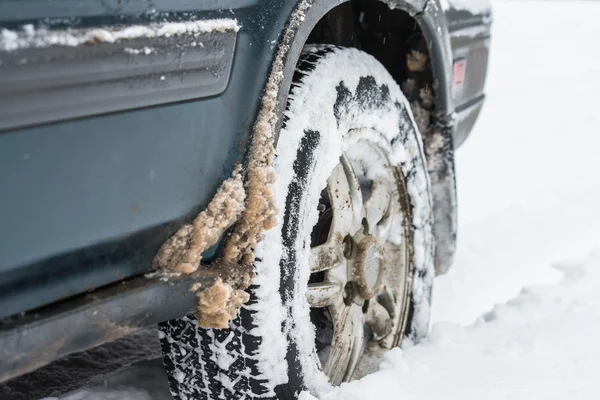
{"points": [[357, 286]]}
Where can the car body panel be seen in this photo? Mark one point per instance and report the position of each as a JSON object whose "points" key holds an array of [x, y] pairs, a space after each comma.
{"points": [[469, 30], [87, 201]]}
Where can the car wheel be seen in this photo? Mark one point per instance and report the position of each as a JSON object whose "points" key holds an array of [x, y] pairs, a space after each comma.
{"points": [[347, 272]]}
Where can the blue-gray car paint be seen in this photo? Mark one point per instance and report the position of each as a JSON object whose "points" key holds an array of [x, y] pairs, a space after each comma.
{"points": [[87, 201]]}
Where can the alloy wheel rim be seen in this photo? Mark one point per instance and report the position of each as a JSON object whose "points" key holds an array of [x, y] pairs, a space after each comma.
{"points": [[357, 291]]}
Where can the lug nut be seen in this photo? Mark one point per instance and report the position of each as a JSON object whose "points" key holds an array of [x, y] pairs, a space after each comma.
{"points": [[347, 246], [348, 293]]}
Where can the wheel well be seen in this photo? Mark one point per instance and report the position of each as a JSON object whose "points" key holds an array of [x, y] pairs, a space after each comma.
{"points": [[395, 39]]}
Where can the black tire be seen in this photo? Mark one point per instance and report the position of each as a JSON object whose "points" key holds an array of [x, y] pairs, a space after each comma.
{"points": [[227, 364]]}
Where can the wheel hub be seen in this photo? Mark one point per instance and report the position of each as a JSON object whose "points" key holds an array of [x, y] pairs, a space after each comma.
{"points": [[367, 265]]}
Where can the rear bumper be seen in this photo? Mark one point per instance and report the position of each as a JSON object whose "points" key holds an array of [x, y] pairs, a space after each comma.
{"points": [[470, 41], [465, 118]]}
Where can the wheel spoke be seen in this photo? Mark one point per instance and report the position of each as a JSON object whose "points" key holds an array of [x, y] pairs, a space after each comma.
{"points": [[358, 337], [347, 342], [383, 227], [322, 294], [378, 319], [346, 199], [354, 186], [379, 210], [327, 256]]}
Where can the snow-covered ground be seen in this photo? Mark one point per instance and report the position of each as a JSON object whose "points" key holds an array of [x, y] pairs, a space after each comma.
{"points": [[529, 196], [529, 210], [539, 345], [528, 177]]}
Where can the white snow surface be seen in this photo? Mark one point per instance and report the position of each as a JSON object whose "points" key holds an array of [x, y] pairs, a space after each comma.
{"points": [[529, 191], [535, 346], [527, 181]]}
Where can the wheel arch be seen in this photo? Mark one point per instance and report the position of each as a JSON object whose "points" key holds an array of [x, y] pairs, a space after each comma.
{"points": [[426, 17], [418, 25]]}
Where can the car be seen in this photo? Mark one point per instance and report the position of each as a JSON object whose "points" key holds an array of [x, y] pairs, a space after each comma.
{"points": [[270, 181]]}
